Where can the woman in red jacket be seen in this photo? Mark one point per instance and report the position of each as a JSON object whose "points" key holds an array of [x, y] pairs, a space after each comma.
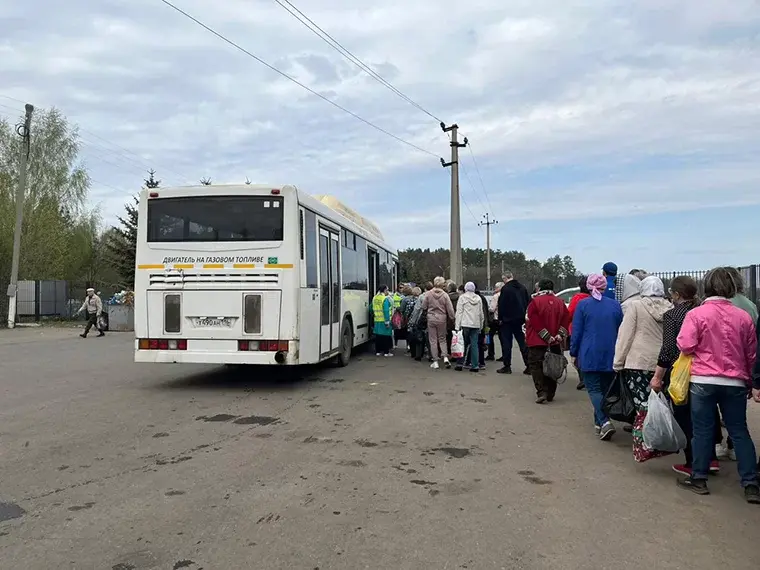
{"points": [[545, 330], [577, 298]]}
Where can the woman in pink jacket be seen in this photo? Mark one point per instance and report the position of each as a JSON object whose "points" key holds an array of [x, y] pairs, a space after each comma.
{"points": [[723, 342]]}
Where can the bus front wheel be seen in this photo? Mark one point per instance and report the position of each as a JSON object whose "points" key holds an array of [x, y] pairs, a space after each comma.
{"points": [[346, 344]]}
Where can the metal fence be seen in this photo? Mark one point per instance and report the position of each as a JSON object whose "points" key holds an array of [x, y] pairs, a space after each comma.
{"points": [[750, 274], [47, 299]]}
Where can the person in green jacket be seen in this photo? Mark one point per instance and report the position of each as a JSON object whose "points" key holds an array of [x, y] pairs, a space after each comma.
{"points": [[740, 300], [382, 309]]}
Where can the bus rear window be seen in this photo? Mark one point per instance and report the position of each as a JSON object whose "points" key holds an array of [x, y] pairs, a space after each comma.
{"points": [[215, 218]]}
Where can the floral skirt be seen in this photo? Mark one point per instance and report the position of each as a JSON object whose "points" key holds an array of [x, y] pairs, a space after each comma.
{"points": [[638, 383]]}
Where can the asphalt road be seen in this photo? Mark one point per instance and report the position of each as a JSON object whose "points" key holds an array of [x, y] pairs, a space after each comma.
{"points": [[106, 464]]}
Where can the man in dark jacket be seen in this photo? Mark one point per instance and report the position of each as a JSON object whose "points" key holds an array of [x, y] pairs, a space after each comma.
{"points": [[513, 304]]}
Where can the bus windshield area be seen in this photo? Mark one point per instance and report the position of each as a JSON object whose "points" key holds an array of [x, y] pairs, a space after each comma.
{"points": [[215, 219]]}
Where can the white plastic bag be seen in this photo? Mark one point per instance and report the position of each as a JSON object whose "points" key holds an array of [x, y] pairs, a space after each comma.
{"points": [[660, 430], [457, 344]]}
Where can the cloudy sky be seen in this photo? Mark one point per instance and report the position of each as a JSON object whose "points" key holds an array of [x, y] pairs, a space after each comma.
{"points": [[600, 129]]}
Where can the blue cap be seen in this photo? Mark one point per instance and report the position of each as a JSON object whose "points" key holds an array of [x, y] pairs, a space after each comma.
{"points": [[610, 268]]}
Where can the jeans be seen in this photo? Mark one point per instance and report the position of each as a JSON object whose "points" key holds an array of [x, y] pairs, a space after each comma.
{"points": [[597, 384], [509, 331], [732, 402], [470, 337]]}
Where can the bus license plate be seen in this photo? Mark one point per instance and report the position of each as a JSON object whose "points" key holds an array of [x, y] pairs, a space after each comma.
{"points": [[210, 322]]}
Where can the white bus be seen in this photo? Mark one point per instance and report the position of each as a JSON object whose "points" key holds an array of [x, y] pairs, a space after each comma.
{"points": [[254, 274]]}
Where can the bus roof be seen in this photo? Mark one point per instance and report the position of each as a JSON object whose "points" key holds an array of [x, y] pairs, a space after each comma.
{"points": [[326, 206]]}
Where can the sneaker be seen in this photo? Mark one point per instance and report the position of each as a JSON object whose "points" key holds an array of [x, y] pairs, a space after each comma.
{"points": [[541, 399], [458, 368], [474, 370], [389, 354], [378, 354], [597, 429], [607, 431], [752, 494], [580, 386], [83, 335], [698, 486], [682, 469], [714, 467], [435, 366], [504, 370], [101, 333], [721, 451], [446, 363], [732, 455]]}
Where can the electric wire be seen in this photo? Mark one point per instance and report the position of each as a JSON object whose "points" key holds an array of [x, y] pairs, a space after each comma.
{"points": [[293, 80]]}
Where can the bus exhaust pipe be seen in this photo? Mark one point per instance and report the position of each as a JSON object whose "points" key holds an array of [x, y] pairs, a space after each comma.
{"points": [[280, 357]]}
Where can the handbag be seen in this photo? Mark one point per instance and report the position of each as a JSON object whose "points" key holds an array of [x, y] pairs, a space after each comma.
{"points": [[618, 401], [680, 378], [555, 366]]}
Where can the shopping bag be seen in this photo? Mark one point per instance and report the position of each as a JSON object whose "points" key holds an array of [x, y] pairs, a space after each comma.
{"points": [[555, 366], [618, 401], [660, 430], [641, 452], [457, 344], [680, 377]]}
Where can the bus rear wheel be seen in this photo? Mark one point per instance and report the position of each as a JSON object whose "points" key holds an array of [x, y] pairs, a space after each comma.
{"points": [[346, 344]]}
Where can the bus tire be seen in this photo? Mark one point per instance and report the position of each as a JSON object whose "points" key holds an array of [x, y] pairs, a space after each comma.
{"points": [[346, 344]]}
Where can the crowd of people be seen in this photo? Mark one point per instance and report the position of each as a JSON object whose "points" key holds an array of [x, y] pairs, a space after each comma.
{"points": [[624, 329]]}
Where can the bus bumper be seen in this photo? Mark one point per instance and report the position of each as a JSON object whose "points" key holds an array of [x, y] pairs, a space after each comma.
{"points": [[205, 352]]}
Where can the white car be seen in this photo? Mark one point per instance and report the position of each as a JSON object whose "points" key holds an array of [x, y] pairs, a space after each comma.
{"points": [[567, 294]]}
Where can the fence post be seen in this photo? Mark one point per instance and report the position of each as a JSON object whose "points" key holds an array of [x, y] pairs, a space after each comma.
{"points": [[753, 282], [37, 300]]}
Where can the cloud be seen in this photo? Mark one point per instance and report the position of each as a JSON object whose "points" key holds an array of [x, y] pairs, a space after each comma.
{"points": [[576, 109]]}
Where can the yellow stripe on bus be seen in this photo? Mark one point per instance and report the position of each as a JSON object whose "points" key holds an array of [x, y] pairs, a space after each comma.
{"points": [[184, 266], [279, 266], [213, 266], [243, 266], [153, 266]]}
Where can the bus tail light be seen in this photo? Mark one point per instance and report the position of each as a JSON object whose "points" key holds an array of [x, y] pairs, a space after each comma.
{"points": [[162, 344], [263, 345], [252, 314]]}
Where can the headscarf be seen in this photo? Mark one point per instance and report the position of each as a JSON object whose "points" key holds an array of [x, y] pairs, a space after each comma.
{"points": [[652, 286], [631, 286], [596, 285], [469, 287]]}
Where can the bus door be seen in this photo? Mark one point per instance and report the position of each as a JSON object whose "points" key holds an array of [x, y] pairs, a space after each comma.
{"points": [[329, 290]]}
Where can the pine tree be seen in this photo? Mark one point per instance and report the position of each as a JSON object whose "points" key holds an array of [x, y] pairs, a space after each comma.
{"points": [[121, 240]]}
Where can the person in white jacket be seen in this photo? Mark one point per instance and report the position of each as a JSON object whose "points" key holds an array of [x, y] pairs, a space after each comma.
{"points": [[470, 320]]}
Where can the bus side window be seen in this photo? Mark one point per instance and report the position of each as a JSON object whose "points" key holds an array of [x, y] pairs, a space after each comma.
{"points": [[310, 229]]}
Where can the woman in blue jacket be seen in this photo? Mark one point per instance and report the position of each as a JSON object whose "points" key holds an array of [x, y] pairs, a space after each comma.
{"points": [[592, 347]]}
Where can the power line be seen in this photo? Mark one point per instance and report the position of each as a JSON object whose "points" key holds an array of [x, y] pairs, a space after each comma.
{"points": [[293, 80], [346, 53], [475, 162]]}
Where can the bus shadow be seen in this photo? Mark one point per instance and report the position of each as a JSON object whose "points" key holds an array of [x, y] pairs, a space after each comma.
{"points": [[248, 378]]}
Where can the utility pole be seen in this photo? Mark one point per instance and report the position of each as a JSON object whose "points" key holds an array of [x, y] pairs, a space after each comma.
{"points": [[24, 132], [456, 227], [488, 223]]}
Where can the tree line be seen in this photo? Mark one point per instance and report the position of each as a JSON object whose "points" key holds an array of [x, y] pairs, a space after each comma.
{"points": [[64, 236], [421, 265]]}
